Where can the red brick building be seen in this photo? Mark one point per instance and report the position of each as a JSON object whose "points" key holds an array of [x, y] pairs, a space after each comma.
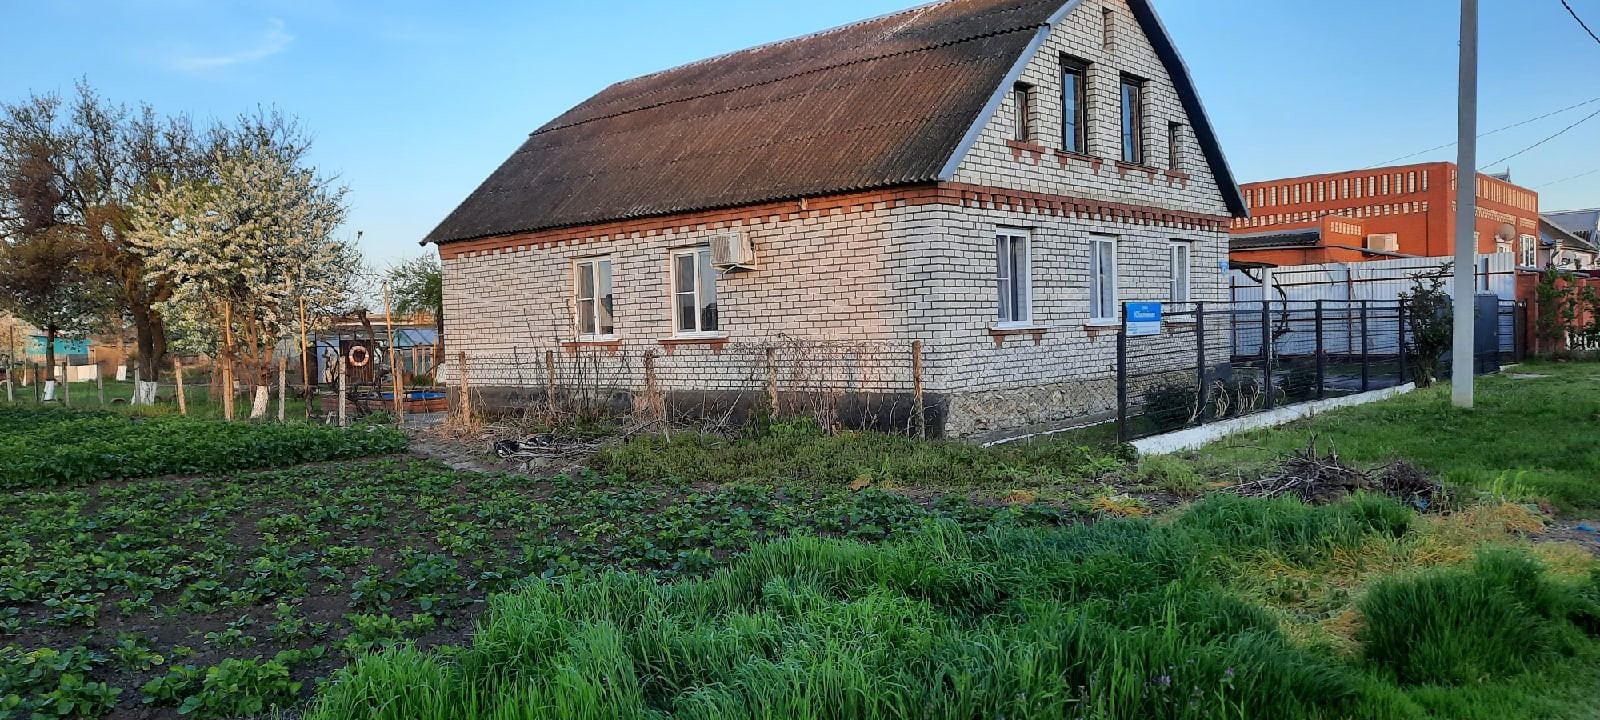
{"points": [[1408, 210]]}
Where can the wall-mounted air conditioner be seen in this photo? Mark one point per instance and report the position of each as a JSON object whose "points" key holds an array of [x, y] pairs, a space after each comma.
{"points": [[1384, 242], [733, 251]]}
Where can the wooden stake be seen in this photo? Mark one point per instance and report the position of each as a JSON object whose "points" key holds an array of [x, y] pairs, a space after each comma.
{"points": [[227, 362], [305, 367], [466, 388], [342, 421], [177, 372], [772, 380], [919, 417], [283, 385], [11, 361], [66, 386], [394, 361], [550, 379], [100, 385]]}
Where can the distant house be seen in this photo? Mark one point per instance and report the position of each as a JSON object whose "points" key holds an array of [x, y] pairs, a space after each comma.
{"points": [[990, 177], [1379, 214], [1562, 248]]}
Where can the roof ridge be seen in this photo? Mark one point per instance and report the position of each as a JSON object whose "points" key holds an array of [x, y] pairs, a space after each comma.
{"points": [[812, 71]]}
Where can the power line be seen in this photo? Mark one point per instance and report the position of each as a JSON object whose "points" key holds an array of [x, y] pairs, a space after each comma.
{"points": [[1565, 179], [1563, 131], [1581, 23], [1491, 132]]}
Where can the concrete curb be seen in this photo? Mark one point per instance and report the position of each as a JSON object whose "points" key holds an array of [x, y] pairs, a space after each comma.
{"points": [[1206, 434]]}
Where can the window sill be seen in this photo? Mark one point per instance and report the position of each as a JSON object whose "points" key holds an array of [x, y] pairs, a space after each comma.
{"points": [[1063, 157], [1097, 328], [597, 342], [715, 340], [1001, 332]]}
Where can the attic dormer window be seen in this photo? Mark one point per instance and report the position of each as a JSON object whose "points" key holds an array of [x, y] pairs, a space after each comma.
{"points": [[1022, 101]]}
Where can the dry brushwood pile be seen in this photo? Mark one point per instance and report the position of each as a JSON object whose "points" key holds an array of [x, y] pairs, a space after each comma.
{"points": [[1321, 478]]}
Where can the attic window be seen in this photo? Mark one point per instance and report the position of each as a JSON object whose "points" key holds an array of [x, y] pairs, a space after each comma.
{"points": [[1074, 107], [1022, 102], [1132, 120]]}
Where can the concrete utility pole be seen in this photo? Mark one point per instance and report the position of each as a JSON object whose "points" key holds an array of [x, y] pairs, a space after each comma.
{"points": [[1461, 366]]}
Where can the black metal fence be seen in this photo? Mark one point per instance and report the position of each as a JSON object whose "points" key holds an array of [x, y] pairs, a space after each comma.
{"points": [[1206, 362]]}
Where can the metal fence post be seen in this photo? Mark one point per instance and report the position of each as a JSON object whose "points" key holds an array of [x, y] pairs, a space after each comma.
{"points": [[1122, 378], [465, 401], [1204, 396], [1366, 364], [1400, 332], [1266, 352], [550, 379], [1322, 357]]}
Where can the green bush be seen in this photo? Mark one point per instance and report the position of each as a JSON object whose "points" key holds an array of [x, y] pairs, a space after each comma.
{"points": [[1171, 475], [1501, 616], [45, 448]]}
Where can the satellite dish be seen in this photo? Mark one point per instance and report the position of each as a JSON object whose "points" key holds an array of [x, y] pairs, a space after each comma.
{"points": [[1506, 233]]}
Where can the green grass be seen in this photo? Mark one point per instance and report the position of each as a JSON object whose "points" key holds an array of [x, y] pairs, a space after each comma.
{"points": [[1526, 439], [799, 454], [1120, 619], [198, 402], [50, 447]]}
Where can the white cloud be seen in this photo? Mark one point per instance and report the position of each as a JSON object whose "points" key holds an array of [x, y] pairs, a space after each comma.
{"points": [[275, 40]]}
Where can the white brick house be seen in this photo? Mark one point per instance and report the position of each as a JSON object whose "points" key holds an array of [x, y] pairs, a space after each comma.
{"points": [[990, 177]]}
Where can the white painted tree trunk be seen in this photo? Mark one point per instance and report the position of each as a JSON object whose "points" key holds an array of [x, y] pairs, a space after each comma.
{"points": [[49, 390], [258, 409], [145, 393]]}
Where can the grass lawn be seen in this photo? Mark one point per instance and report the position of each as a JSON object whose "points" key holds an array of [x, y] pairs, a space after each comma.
{"points": [[197, 399], [1527, 439]]}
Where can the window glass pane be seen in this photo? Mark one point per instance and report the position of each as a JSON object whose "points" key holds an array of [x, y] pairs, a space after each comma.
{"points": [[684, 282], [683, 298], [1130, 122], [1002, 276], [603, 309], [708, 292], [586, 317], [1019, 282], [1103, 274], [1071, 106]]}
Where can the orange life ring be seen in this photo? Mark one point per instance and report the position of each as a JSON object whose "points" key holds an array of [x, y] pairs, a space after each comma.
{"points": [[362, 359]]}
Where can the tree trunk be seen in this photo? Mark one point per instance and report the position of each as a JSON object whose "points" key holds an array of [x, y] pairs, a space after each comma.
{"points": [[50, 333], [151, 341]]}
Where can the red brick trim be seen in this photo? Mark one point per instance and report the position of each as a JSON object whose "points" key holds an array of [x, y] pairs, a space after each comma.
{"points": [[1000, 335], [955, 194], [573, 346], [716, 343], [1064, 158], [1018, 148]]}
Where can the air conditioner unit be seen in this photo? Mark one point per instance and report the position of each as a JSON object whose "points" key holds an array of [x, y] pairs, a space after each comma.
{"points": [[1384, 242], [733, 251]]}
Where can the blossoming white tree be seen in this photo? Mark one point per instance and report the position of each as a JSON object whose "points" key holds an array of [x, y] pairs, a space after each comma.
{"points": [[241, 246]]}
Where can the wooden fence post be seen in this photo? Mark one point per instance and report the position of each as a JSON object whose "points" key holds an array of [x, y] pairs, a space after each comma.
{"points": [[177, 372], [550, 380], [305, 367], [100, 385], [465, 403], [772, 380], [919, 418], [394, 362], [66, 386], [283, 385], [342, 420], [227, 362]]}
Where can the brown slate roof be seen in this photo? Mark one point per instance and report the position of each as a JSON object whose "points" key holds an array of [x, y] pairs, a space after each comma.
{"points": [[883, 102]]}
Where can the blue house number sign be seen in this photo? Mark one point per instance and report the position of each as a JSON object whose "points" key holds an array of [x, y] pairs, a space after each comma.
{"points": [[1144, 318]]}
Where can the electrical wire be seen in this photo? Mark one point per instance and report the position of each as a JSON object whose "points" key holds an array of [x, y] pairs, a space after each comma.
{"points": [[1553, 113], [1581, 23], [1559, 133], [1565, 179]]}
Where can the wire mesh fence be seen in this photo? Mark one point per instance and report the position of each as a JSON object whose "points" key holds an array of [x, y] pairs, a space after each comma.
{"points": [[1215, 361], [858, 385]]}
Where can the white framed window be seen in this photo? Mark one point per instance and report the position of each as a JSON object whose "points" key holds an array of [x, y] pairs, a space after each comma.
{"points": [[1022, 98], [1530, 251], [1102, 279], [1178, 265], [591, 290], [694, 292], [1013, 277]]}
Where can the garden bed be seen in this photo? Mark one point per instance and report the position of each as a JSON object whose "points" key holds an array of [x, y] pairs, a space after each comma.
{"points": [[226, 593]]}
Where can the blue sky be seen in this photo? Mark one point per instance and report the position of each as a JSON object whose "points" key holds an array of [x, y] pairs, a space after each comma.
{"points": [[412, 103]]}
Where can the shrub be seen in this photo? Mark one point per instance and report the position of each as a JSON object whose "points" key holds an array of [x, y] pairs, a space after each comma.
{"points": [[1501, 616]]}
